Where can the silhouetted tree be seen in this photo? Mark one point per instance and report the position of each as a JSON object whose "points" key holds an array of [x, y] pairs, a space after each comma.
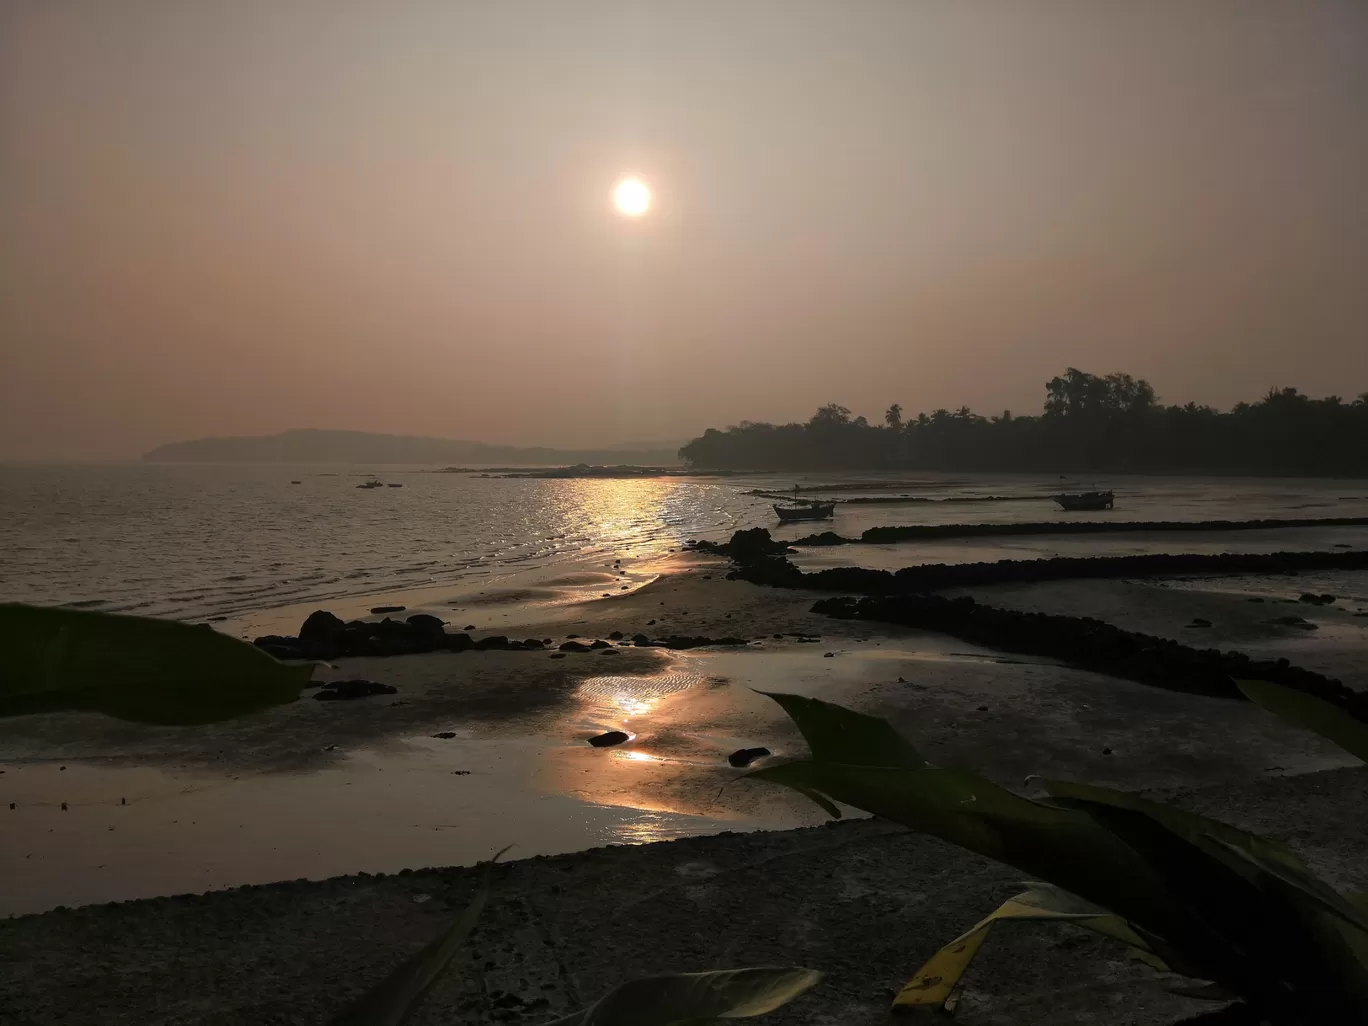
{"points": [[1090, 423]]}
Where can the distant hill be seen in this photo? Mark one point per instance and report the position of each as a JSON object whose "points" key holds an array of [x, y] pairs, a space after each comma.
{"points": [[312, 445]]}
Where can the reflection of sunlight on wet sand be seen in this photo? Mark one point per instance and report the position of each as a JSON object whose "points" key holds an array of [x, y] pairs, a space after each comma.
{"points": [[626, 697]]}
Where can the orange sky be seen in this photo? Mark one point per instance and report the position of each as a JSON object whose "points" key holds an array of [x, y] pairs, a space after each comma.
{"points": [[241, 217]]}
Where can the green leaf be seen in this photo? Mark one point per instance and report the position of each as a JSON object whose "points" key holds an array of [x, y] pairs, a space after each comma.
{"points": [[1314, 714], [837, 734], [394, 1000], [692, 997], [936, 980], [1063, 846], [134, 668]]}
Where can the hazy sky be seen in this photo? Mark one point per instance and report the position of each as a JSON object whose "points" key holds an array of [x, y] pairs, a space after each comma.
{"points": [[241, 216]]}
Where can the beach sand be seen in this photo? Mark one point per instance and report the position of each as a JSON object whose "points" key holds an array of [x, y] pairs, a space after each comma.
{"points": [[318, 790]]}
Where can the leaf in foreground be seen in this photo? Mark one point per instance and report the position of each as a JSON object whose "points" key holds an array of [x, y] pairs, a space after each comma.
{"points": [[935, 982], [1312, 713], [394, 1000], [690, 997], [837, 734], [134, 668]]}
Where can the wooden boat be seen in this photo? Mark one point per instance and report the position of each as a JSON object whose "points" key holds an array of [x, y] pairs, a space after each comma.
{"points": [[372, 483], [1085, 500], [396, 486], [809, 511]]}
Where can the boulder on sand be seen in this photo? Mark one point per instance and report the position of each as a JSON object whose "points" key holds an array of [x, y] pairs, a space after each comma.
{"points": [[337, 690], [743, 757], [613, 737]]}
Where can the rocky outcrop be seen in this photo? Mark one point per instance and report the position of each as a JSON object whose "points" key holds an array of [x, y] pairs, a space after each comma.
{"points": [[1092, 644], [325, 636], [935, 576]]}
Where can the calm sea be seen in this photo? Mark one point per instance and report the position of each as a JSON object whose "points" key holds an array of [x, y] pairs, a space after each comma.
{"points": [[198, 541]]}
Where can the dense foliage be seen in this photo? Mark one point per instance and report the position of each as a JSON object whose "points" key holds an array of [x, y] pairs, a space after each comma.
{"points": [[1111, 423]]}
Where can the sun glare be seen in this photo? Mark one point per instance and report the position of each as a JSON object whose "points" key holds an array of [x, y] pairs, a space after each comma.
{"points": [[631, 197]]}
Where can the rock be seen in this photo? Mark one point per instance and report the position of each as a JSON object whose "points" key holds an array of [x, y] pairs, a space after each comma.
{"points": [[1197, 621], [426, 623], [1327, 599], [457, 642], [321, 627], [598, 644], [650, 623], [1293, 621], [1314, 600], [1106, 751], [574, 646], [281, 651], [532, 644], [377, 610], [495, 642], [348, 689], [469, 627], [640, 640], [983, 708], [828, 655], [613, 737], [743, 757], [445, 735], [615, 635], [610, 651], [572, 636]]}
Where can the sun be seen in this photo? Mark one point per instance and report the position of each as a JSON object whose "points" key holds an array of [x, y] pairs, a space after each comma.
{"points": [[631, 197]]}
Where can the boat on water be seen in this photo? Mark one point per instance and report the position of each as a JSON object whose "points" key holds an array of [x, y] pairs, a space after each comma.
{"points": [[400, 485], [1086, 500], [808, 511], [372, 483]]}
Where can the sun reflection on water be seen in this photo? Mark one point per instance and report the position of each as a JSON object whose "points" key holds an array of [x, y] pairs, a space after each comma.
{"points": [[630, 697]]}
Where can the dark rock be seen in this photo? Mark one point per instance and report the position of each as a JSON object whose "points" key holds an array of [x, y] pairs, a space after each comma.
{"points": [[469, 627], [743, 757], [495, 642], [572, 636], [640, 640], [347, 689], [1293, 621], [426, 623], [600, 644], [613, 737], [1327, 599], [615, 635], [682, 641], [457, 642], [445, 735], [1106, 751], [321, 627], [650, 623], [610, 651], [574, 646], [377, 610], [1197, 621], [281, 651], [983, 708], [828, 655], [533, 644]]}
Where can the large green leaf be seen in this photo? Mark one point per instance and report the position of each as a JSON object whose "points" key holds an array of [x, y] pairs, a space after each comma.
{"points": [[1062, 846], [150, 671], [837, 734], [394, 1000], [1314, 714], [936, 980], [681, 998]]}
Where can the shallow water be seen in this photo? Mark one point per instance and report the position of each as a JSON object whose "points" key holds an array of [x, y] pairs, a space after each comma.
{"points": [[200, 541]]}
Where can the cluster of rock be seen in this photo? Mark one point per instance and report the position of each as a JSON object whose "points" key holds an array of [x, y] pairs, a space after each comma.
{"points": [[776, 571], [744, 546], [1093, 645], [325, 636], [921, 532]]}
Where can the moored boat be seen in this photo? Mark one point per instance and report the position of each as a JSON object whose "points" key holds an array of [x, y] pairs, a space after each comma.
{"points": [[1086, 500], [809, 511]]}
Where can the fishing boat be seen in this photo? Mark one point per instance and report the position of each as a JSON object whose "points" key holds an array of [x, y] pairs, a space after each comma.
{"points": [[807, 511], [1085, 500], [397, 485], [372, 483]]}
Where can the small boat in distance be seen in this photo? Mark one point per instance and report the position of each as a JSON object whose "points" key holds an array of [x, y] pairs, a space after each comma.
{"points": [[1085, 500], [372, 483], [397, 485], [809, 511]]}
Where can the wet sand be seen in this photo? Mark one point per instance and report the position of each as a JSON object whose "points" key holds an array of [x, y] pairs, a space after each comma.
{"points": [[315, 790]]}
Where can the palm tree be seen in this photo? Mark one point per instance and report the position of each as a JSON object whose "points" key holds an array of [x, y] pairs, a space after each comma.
{"points": [[893, 417]]}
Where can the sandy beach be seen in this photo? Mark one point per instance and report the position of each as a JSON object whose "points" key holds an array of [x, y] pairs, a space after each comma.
{"points": [[315, 791]]}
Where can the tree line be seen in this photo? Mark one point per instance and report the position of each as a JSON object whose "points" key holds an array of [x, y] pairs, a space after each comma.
{"points": [[1090, 423]]}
